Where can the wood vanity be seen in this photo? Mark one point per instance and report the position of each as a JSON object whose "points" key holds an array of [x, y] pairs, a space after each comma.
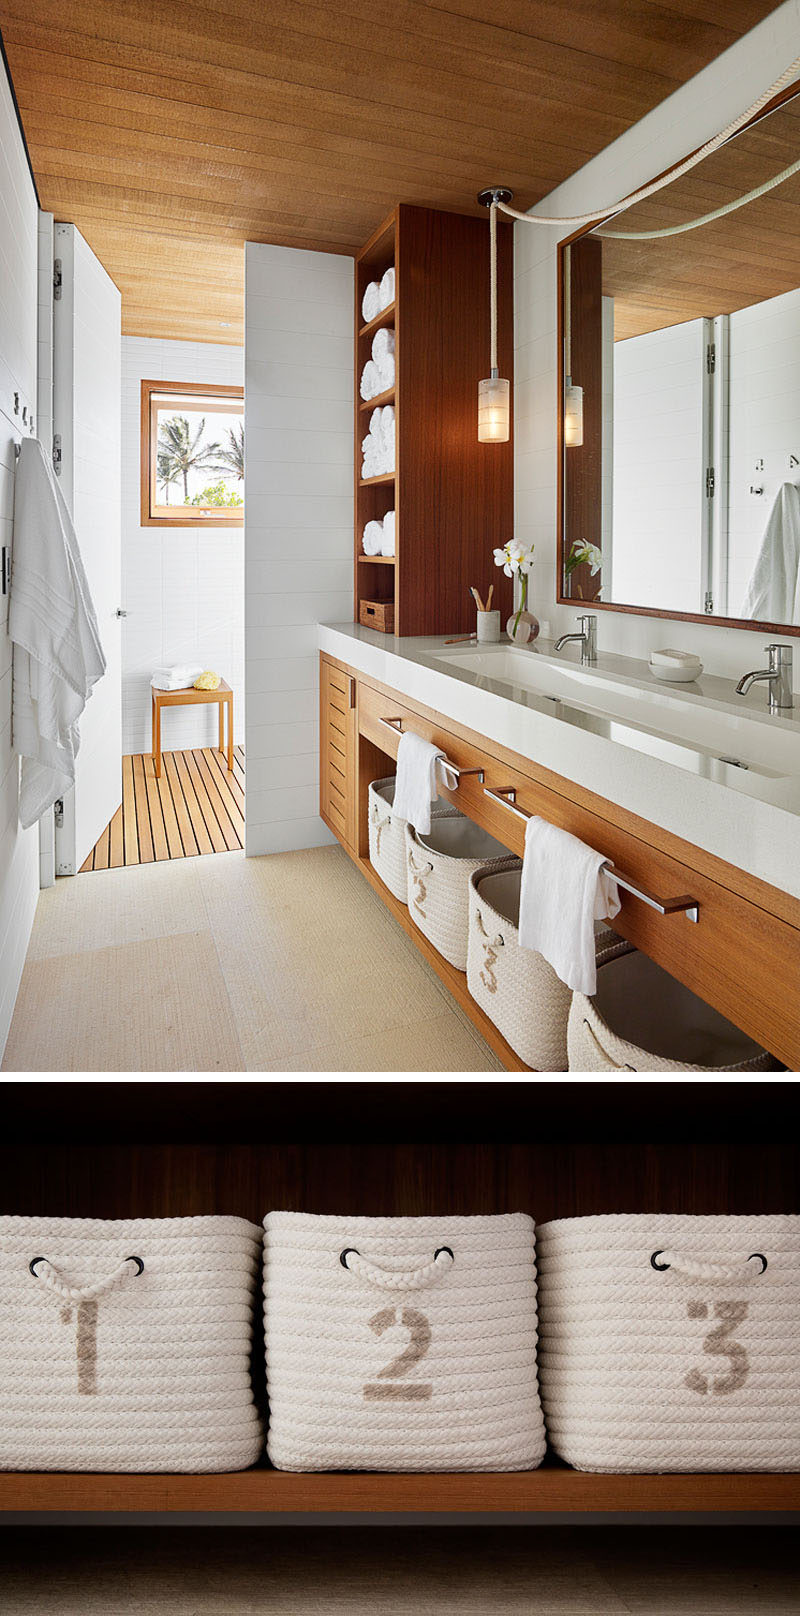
{"points": [[743, 954]]}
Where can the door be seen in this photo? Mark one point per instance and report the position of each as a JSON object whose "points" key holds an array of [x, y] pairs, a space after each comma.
{"points": [[87, 402]]}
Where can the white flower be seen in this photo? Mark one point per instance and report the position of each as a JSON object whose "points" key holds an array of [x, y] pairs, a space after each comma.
{"points": [[513, 558]]}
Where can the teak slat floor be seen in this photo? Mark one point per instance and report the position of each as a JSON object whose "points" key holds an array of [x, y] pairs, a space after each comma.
{"points": [[195, 807]]}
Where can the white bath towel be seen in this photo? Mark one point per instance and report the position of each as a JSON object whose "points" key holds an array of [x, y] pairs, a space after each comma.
{"points": [[373, 448], [383, 357], [416, 785], [370, 384], [388, 434], [179, 677], [386, 289], [773, 593], [371, 302], [372, 539], [387, 546], [564, 890], [58, 655]]}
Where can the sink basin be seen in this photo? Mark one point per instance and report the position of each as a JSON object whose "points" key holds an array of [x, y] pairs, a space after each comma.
{"points": [[680, 725]]}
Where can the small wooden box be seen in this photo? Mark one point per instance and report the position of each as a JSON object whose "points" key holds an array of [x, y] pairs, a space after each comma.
{"points": [[377, 614]]}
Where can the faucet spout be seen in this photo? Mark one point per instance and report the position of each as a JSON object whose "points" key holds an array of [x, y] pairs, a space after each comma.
{"points": [[749, 679], [778, 677], [587, 638]]}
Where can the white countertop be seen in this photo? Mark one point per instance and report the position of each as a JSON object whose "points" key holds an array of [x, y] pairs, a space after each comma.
{"points": [[733, 820]]}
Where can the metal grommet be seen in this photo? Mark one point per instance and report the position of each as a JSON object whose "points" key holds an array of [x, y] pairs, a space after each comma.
{"points": [[32, 1265], [139, 1264], [660, 1267], [343, 1256], [440, 1249], [762, 1259]]}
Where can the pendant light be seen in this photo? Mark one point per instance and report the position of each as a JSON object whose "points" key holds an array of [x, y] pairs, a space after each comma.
{"points": [[573, 395], [494, 391]]}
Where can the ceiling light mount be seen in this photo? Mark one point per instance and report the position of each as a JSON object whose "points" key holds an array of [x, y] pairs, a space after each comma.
{"points": [[495, 194], [494, 392]]}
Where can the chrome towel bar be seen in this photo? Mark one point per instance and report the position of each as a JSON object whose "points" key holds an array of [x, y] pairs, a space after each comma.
{"points": [[396, 724], [507, 798]]}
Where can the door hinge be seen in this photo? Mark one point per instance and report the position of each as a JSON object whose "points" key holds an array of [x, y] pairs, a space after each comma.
{"points": [[58, 812], [710, 482], [708, 606], [57, 279], [711, 358], [57, 453]]}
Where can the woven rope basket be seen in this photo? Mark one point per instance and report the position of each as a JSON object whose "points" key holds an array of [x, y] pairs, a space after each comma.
{"points": [[126, 1345], [516, 987], [401, 1343], [670, 1342], [643, 1020], [387, 835], [438, 867]]}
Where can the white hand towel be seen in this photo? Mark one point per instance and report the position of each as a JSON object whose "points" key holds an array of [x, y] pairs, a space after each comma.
{"points": [[386, 289], [387, 546], [371, 302], [370, 384], [179, 677], [57, 655], [773, 593], [564, 890], [372, 539], [416, 786]]}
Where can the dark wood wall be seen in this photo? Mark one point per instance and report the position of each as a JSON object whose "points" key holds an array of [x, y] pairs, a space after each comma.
{"points": [[583, 464]]}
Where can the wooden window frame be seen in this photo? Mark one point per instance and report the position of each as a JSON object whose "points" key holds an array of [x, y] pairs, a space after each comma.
{"points": [[180, 515]]}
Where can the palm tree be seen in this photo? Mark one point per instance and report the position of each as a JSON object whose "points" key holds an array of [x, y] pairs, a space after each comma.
{"points": [[178, 452], [232, 456]]}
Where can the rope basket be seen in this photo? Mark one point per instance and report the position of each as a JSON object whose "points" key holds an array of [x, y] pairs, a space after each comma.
{"points": [[401, 1343], [670, 1342], [514, 986], [642, 1020], [387, 835], [125, 1345], [438, 869]]}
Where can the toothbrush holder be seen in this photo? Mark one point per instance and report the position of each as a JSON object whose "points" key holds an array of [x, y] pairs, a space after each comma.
{"points": [[488, 628]]}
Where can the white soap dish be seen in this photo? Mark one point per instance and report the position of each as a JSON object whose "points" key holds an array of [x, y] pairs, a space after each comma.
{"points": [[677, 673]]}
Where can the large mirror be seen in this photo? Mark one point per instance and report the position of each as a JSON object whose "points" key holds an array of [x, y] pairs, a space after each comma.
{"points": [[681, 394]]}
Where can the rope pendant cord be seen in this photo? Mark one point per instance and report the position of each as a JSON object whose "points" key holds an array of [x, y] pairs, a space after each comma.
{"points": [[705, 218], [48, 1276], [492, 290], [387, 1279], [685, 167]]}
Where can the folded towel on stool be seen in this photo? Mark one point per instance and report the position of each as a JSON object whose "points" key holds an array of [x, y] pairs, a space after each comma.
{"points": [[564, 889], [177, 678], [416, 786]]}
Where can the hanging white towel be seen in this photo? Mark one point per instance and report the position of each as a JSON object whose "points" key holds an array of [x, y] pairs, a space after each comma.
{"points": [[564, 890], [773, 593], [372, 539], [386, 289], [371, 302], [387, 546], [416, 785], [57, 655]]}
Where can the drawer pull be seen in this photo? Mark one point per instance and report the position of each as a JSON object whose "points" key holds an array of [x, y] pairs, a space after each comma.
{"points": [[507, 797], [396, 724]]}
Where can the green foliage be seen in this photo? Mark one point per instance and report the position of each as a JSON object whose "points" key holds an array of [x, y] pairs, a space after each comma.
{"points": [[178, 453], [216, 494]]}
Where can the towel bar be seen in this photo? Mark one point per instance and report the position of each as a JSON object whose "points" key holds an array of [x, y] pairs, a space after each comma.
{"points": [[507, 797], [396, 724]]}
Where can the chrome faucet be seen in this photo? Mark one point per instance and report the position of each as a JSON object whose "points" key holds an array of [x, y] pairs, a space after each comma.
{"points": [[779, 676], [587, 638]]}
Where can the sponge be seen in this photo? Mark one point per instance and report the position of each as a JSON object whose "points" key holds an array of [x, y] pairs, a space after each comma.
{"points": [[208, 681]]}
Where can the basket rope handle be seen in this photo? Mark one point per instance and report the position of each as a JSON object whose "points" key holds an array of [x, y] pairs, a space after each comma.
{"points": [[497, 942], [388, 1279], [694, 1268], [419, 869], [50, 1277], [613, 1065]]}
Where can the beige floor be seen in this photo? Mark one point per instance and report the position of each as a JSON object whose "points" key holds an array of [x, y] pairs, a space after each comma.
{"points": [[288, 963], [411, 1571]]}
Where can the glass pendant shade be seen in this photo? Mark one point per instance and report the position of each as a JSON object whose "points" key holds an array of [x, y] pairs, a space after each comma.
{"points": [[573, 415], [494, 410]]}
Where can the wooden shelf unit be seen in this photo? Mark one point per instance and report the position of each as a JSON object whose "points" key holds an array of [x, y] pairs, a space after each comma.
{"points": [[453, 497]]}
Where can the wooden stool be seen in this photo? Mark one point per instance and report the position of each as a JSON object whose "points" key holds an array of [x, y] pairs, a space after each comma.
{"points": [[223, 696]]}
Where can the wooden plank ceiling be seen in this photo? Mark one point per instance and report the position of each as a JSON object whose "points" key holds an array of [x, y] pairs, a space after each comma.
{"points": [[170, 134], [738, 260]]}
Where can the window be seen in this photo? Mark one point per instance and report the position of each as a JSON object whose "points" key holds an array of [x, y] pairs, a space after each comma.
{"points": [[192, 455]]}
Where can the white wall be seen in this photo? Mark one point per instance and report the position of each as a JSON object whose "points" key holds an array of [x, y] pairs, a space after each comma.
{"points": [[298, 524], [682, 122], [764, 424], [183, 588], [19, 850]]}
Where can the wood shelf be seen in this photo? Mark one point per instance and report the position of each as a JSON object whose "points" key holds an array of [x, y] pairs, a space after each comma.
{"points": [[378, 561], [553, 1489], [376, 482], [386, 317], [378, 401]]}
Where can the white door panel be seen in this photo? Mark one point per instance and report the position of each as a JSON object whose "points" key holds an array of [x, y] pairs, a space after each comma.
{"points": [[87, 417]]}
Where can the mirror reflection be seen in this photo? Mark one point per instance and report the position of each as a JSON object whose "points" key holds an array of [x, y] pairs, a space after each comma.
{"points": [[682, 391]]}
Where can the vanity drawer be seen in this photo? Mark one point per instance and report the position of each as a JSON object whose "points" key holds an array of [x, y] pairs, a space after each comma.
{"points": [[738, 957]]}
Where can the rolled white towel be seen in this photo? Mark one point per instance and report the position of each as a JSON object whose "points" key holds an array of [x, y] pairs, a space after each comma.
{"points": [[383, 357], [387, 432], [371, 302], [388, 529], [386, 289], [374, 456], [178, 677], [372, 539], [371, 383]]}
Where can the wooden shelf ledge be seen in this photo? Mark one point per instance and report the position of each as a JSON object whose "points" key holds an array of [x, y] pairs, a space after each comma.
{"points": [[386, 317], [378, 561], [374, 482], [551, 1489], [378, 401]]}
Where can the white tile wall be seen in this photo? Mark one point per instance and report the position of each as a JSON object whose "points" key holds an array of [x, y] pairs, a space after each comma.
{"points": [[298, 524], [19, 850], [764, 424], [183, 588], [683, 122]]}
